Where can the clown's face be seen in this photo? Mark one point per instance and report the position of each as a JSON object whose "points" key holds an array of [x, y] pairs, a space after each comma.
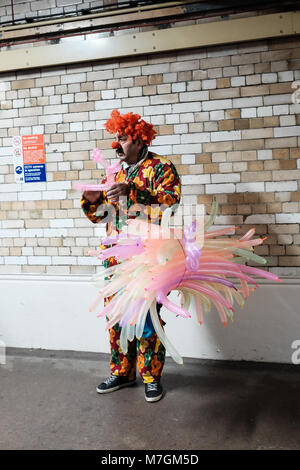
{"points": [[128, 151]]}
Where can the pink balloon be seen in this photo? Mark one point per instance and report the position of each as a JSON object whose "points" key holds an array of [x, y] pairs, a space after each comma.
{"points": [[111, 170]]}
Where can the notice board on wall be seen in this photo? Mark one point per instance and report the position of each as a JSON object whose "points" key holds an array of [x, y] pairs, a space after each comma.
{"points": [[29, 158]]}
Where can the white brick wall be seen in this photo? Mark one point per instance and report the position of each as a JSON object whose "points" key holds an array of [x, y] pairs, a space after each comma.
{"points": [[260, 219], [219, 117], [195, 179], [220, 188], [288, 218], [226, 178], [217, 104], [282, 186], [250, 187]]}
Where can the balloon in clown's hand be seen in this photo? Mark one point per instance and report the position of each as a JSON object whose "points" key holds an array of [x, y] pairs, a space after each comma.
{"points": [[111, 170]]}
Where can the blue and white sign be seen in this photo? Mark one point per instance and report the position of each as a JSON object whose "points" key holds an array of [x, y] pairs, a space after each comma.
{"points": [[34, 173]]}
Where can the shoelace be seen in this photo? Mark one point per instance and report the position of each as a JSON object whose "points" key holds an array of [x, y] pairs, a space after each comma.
{"points": [[152, 386], [109, 380]]}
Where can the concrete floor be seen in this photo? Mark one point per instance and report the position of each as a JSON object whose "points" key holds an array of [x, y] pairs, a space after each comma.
{"points": [[48, 401]]}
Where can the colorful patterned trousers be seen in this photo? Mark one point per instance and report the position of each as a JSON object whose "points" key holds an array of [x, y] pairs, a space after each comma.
{"points": [[148, 354]]}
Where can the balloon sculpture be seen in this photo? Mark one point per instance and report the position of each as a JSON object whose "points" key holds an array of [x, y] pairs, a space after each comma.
{"points": [[150, 268], [155, 260], [97, 156]]}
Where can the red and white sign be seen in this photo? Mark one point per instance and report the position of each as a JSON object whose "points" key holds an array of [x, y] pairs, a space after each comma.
{"points": [[29, 158]]}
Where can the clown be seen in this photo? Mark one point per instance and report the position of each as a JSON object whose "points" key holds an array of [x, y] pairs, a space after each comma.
{"points": [[144, 180]]}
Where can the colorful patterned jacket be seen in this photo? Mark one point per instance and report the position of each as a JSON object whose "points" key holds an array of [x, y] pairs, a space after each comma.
{"points": [[154, 181]]}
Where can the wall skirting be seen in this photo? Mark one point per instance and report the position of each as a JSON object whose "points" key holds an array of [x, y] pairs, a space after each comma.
{"points": [[52, 312]]}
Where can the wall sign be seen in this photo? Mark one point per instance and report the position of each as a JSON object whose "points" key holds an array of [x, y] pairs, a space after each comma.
{"points": [[29, 158]]}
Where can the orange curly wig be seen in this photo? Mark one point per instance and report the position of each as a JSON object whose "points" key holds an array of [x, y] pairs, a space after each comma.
{"points": [[131, 125]]}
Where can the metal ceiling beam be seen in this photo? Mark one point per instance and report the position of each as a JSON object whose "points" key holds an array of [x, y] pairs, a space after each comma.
{"points": [[179, 38], [118, 12], [91, 24], [154, 11]]}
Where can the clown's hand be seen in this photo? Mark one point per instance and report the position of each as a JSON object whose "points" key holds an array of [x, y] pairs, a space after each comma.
{"points": [[117, 190]]}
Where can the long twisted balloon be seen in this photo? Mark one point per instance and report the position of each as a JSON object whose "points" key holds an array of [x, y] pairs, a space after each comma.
{"points": [[97, 156], [203, 268]]}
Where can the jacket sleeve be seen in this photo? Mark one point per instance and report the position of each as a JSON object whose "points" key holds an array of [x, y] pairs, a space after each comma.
{"points": [[90, 209]]}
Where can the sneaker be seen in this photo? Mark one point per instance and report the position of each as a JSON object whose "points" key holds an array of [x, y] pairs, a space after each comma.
{"points": [[114, 382], [153, 391]]}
